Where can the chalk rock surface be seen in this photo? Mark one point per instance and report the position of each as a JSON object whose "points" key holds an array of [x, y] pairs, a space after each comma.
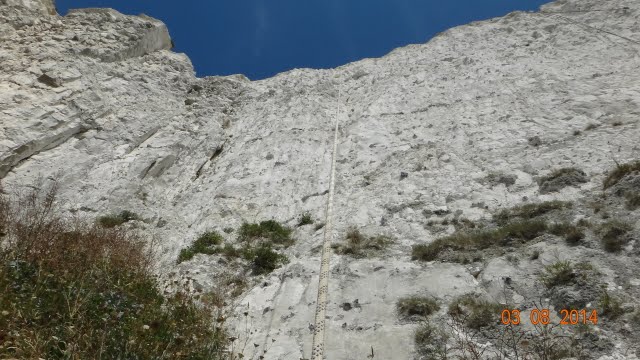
{"points": [[97, 100]]}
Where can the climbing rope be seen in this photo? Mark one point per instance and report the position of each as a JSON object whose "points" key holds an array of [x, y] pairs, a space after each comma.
{"points": [[317, 350]]}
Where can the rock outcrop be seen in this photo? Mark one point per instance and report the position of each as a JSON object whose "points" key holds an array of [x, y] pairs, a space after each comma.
{"points": [[97, 100]]}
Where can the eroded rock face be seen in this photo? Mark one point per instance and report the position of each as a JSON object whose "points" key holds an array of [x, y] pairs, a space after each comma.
{"points": [[97, 100]]}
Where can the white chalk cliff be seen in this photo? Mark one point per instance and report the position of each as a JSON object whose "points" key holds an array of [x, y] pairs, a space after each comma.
{"points": [[98, 100]]}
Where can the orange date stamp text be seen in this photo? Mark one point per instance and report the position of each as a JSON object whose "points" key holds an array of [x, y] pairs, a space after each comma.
{"points": [[543, 317]]}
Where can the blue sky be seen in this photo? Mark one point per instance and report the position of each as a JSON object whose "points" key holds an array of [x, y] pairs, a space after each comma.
{"points": [[260, 38]]}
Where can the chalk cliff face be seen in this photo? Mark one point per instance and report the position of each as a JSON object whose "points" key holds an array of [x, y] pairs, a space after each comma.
{"points": [[98, 100]]}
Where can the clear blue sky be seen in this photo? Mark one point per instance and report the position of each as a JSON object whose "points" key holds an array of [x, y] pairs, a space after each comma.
{"points": [[260, 38]]}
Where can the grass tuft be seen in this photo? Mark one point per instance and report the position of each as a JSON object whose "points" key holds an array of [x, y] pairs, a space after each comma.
{"points": [[613, 235], [359, 245], [611, 306], [416, 306], [572, 234], [619, 172], [558, 273], [529, 211], [475, 313], [431, 342], [525, 230]]}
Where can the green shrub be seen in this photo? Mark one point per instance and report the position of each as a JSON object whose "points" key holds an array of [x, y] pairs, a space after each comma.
{"points": [[558, 273], [416, 305], [529, 211], [524, 230], [359, 245], [305, 219], [613, 235], [260, 255], [205, 244], [270, 231], [113, 220], [264, 260], [619, 172], [75, 291], [474, 312]]}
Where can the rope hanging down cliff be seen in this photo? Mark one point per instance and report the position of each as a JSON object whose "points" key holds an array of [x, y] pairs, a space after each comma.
{"points": [[317, 350]]}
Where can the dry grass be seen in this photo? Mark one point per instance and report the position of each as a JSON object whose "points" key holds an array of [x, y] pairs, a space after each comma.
{"points": [[529, 211], [70, 290], [572, 234], [359, 245], [416, 306], [479, 240], [475, 313], [619, 172], [613, 235]]}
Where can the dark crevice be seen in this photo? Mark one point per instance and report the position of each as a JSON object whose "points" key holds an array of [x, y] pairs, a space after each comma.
{"points": [[305, 198], [215, 154], [146, 171]]}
